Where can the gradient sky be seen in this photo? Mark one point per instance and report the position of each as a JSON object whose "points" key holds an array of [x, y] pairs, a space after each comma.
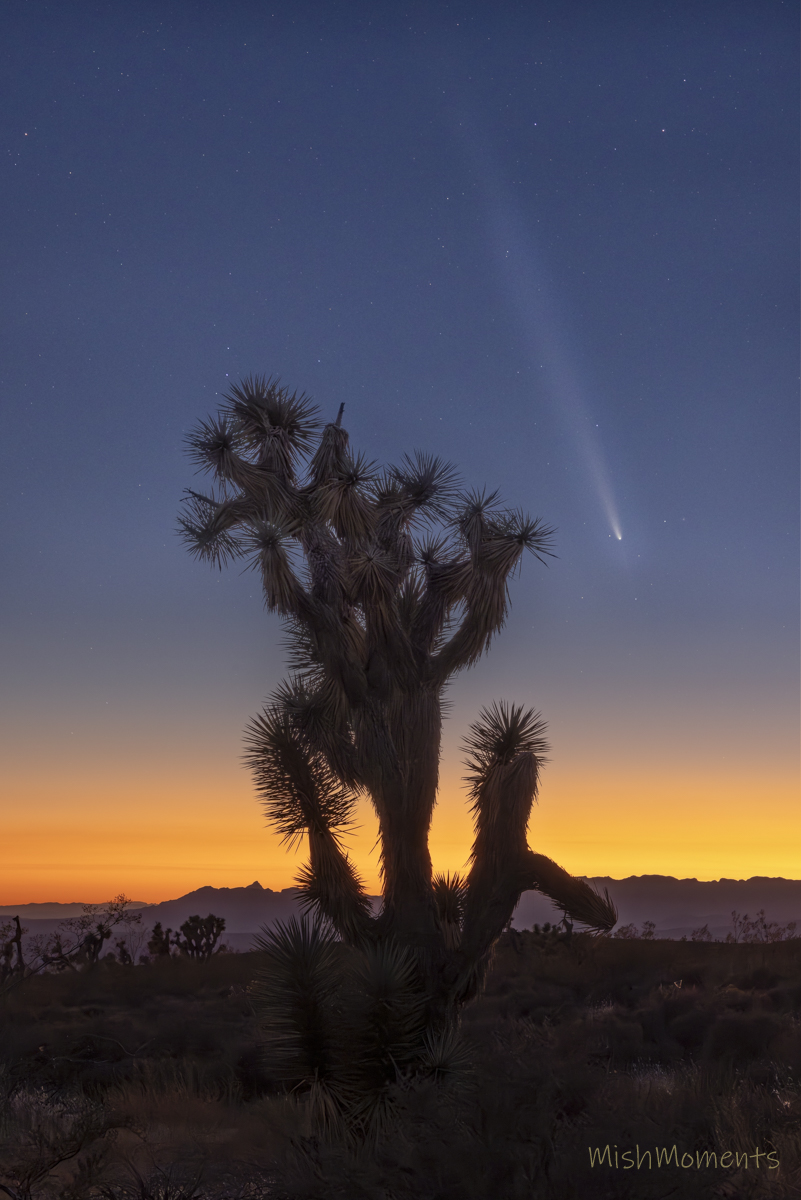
{"points": [[554, 242]]}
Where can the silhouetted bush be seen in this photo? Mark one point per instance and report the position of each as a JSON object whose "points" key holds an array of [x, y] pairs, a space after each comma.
{"points": [[759, 930], [741, 1037]]}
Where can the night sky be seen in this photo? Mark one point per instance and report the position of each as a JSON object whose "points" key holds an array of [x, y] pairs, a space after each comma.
{"points": [[557, 244]]}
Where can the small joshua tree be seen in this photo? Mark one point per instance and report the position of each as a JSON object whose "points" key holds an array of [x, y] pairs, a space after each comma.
{"points": [[200, 936], [160, 942], [389, 581]]}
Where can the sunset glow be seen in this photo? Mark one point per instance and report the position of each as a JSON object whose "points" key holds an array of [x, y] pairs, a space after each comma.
{"points": [[156, 844]]}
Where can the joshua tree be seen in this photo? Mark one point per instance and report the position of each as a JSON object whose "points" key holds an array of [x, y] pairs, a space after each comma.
{"points": [[160, 942], [389, 583], [200, 936]]}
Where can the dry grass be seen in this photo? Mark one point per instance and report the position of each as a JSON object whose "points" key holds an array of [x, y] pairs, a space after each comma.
{"points": [[145, 1083]]}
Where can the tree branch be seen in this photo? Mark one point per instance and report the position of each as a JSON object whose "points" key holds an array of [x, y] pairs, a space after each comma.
{"points": [[495, 541], [575, 897], [506, 748], [330, 888], [302, 794], [487, 605]]}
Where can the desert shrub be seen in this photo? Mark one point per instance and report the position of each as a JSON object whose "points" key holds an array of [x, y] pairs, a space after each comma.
{"points": [[689, 1029], [156, 1184], [761, 978], [618, 1037], [785, 997], [40, 1131], [95, 1031], [740, 1037], [630, 931], [759, 929]]}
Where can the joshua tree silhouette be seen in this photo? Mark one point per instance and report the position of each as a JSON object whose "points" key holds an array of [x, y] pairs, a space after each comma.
{"points": [[390, 581]]}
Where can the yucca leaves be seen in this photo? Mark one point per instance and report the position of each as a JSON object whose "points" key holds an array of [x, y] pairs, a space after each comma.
{"points": [[383, 1033], [206, 536], [391, 1003], [295, 998], [427, 483], [342, 494], [449, 892], [319, 710], [297, 785], [445, 1058], [575, 897], [349, 1025], [330, 889], [214, 447], [505, 752], [374, 578], [502, 733], [331, 454], [278, 426]]}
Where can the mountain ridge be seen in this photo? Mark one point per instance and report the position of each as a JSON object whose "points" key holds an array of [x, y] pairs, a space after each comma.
{"points": [[676, 906]]}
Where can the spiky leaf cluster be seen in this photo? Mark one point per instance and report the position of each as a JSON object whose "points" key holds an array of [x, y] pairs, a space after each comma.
{"points": [[502, 734], [349, 1024], [299, 789]]}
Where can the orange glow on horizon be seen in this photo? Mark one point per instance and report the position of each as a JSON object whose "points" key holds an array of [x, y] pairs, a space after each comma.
{"points": [[158, 839]]}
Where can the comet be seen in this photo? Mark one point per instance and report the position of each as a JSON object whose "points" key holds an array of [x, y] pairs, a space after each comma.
{"points": [[544, 329], [546, 342]]}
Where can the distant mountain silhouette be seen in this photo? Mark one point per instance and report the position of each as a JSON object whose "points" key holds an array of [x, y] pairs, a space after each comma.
{"points": [[51, 910], [676, 906], [245, 909]]}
